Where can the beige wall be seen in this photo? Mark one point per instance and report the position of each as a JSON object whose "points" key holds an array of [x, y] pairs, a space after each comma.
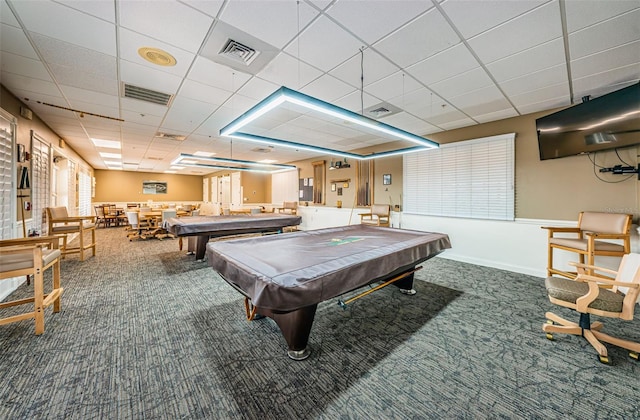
{"points": [[254, 187], [124, 186]]}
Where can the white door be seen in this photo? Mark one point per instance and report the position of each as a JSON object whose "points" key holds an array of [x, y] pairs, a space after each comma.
{"points": [[205, 190], [236, 190], [225, 192]]}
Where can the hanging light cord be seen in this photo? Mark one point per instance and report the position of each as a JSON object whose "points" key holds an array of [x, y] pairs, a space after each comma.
{"points": [[362, 80]]}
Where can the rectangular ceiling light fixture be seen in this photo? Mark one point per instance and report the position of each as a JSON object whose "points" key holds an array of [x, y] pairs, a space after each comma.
{"points": [[287, 107], [186, 159]]}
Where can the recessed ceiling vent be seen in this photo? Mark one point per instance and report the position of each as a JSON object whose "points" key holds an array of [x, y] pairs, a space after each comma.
{"points": [[153, 158], [167, 136], [381, 110], [147, 95], [239, 52], [261, 150]]}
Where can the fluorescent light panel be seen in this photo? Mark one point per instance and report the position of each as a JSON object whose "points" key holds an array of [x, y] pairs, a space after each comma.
{"points": [[107, 144], [186, 159], [284, 95]]}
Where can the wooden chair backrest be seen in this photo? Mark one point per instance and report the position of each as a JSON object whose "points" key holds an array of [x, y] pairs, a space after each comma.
{"points": [[381, 209], [57, 213], [629, 272], [616, 223]]}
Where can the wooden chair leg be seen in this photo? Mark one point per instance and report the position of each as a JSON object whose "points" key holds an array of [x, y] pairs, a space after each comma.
{"points": [[38, 292], [56, 284], [81, 244]]}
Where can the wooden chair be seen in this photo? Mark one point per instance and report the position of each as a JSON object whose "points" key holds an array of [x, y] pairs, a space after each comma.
{"points": [[378, 216], [585, 295], [60, 223], [32, 257], [103, 217], [289, 207], [587, 238], [138, 229]]}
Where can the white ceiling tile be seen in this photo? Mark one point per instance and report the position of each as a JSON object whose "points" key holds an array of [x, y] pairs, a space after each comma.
{"points": [[327, 88], [284, 70], [370, 64], [453, 124], [72, 76], [17, 64], [590, 84], [37, 87], [534, 81], [130, 42], [481, 101], [6, 15], [581, 14], [213, 74], [148, 78], [496, 115], [472, 17], [168, 21], [258, 88], [204, 93], [409, 123], [187, 114], [142, 107], [443, 65], [150, 121], [209, 7], [372, 20], [540, 57], [462, 83], [324, 45], [622, 56], [547, 93], [275, 22], [542, 106], [620, 30], [422, 38], [86, 96], [356, 101], [13, 40], [47, 19], [101, 9], [533, 28], [393, 87]]}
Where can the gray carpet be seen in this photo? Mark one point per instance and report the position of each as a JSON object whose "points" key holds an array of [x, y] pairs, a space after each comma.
{"points": [[148, 333]]}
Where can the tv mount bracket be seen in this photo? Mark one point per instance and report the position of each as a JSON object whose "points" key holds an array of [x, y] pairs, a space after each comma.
{"points": [[621, 170]]}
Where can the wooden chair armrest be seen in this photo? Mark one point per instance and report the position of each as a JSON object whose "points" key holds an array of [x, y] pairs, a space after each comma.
{"points": [[52, 241], [592, 267], [604, 281], [553, 229], [365, 215]]}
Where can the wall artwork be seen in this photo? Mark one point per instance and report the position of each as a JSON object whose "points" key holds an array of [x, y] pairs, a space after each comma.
{"points": [[386, 179], [154, 187]]}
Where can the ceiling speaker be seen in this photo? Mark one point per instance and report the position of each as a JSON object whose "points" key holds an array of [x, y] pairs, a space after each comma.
{"points": [[26, 113]]}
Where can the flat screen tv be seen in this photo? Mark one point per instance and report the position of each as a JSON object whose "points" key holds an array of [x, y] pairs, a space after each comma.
{"points": [[608, 122]]}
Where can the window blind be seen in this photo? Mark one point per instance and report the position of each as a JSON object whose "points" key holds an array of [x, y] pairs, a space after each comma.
{"points": [[40, 182], [7, 213], [84, 192], [470, 179]]}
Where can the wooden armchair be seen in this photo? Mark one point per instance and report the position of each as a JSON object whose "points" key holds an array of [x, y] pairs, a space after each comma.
{"points": [[290, 207], [32, 257], [60, 223], [585, 295], [379, 215], [591, 238]]}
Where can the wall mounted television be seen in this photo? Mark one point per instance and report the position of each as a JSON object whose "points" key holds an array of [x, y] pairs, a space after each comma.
{"points": [[610, 121]]}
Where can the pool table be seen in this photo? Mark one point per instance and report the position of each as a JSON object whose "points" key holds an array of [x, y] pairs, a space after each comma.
{"points": [[284, 277], [206, 227]]}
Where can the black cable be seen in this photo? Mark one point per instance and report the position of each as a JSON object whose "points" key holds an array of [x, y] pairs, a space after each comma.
{"points": [[616, 150], [361, 80], [594, 160]]}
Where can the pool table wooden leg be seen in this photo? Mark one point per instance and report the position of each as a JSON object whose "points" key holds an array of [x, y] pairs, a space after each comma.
{"points": [[295, 327]]}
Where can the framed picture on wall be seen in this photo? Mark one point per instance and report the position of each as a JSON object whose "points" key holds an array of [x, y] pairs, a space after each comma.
{"points": [[154, 187], [386, 179]]}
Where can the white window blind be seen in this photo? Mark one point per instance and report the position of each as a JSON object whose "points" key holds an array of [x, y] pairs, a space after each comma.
{"points": [[40, 182], [84, 192], [7, 213], [72, 188], [284, 186], [470, 179]]}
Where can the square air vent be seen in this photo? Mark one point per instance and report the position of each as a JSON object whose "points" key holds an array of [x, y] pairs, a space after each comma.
{"points": [[167, 136], [147, 95], [239, 52], [381, 110]]}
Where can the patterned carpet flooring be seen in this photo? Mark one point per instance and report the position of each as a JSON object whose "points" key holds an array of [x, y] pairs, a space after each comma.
{"points": [[146, 332]]}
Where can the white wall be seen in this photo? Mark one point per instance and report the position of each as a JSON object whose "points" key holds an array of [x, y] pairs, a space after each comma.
{"points": [[519, 246]]}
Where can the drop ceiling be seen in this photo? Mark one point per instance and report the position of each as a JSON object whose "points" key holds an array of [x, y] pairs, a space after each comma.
{"points": [[439, 65]]}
